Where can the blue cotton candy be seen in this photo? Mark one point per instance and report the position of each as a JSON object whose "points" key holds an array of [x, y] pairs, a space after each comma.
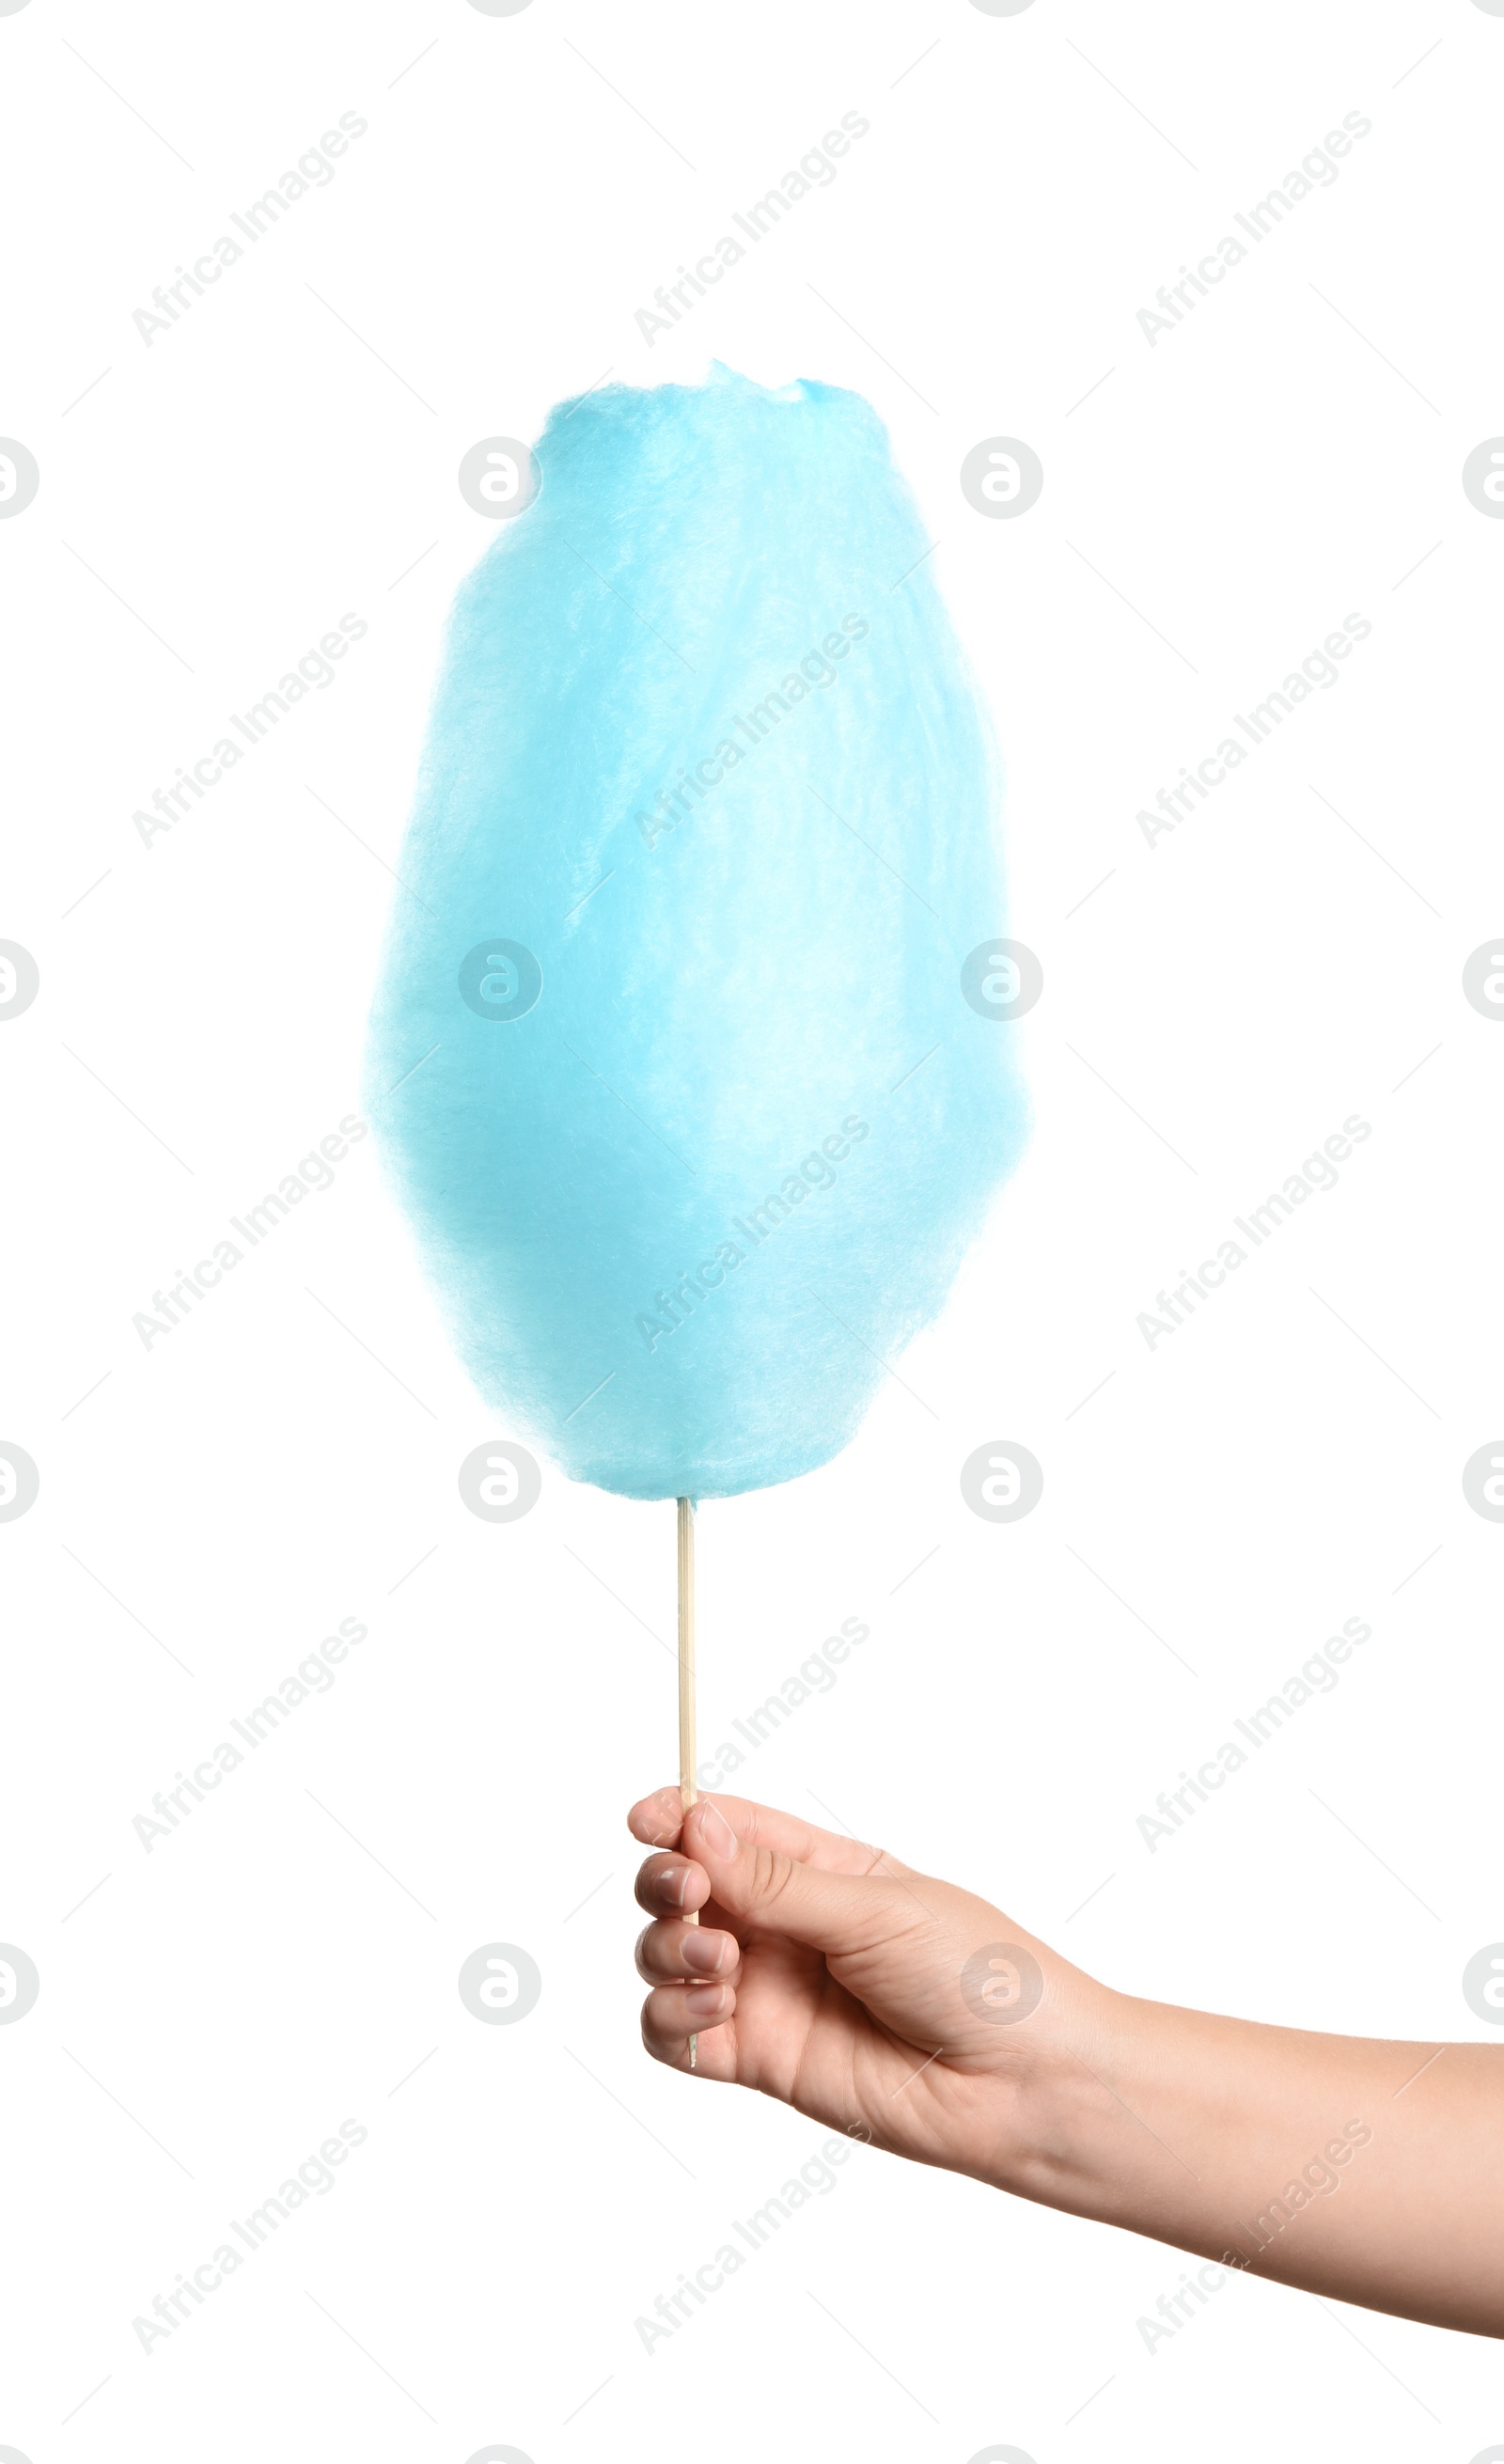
{"points": [[705, 830]]}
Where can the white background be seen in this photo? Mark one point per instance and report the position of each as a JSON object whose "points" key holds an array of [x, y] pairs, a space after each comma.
{"points": [[1213, 506]]}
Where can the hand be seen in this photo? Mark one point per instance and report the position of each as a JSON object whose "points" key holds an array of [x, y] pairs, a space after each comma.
{"points": [[879, 2001], [898, 2008]]}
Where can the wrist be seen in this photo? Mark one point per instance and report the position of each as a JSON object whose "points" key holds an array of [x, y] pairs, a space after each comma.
{"points": [[1062, 2128]]}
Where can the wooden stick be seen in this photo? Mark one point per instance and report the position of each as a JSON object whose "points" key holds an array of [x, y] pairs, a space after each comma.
{"points": [[687, 1791]]}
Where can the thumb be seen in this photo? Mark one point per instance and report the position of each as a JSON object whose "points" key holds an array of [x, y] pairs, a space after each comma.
{"points": [[824, 1911]]}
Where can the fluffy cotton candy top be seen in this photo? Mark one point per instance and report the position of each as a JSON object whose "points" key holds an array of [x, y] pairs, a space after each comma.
{"points": [[669, 1054]]}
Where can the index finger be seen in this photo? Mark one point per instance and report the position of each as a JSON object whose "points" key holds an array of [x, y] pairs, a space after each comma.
{"points": [[658, 1820]]}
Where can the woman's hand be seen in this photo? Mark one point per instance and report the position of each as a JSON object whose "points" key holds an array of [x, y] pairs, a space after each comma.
{"points": [[876, 1999], [901, 2010]]}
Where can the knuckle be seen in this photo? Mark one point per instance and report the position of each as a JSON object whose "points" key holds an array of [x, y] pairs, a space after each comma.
{"points": [[773, 1876]]}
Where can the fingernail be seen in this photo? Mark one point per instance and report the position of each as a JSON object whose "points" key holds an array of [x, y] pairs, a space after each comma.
{"points": [[716, 1831], [704, 2001], [703, 1952], [676, 1884]]}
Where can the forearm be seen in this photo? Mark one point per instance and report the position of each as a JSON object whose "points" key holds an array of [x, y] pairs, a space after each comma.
{"points": [[1368, 2169]]}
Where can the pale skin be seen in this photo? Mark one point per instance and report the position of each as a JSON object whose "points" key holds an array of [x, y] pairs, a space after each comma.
{"points": [[831, 1976]]}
